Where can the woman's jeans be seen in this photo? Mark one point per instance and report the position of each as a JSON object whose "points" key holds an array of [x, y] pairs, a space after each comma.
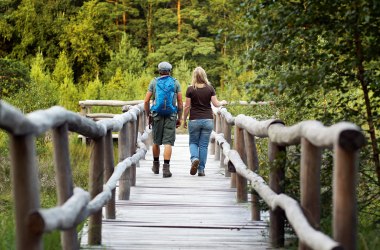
{"points": [[199, 133]]}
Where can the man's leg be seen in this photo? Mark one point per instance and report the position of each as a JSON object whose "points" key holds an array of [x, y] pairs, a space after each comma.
{"points": [[168, 139], [156, 156], [167, 152], [156, 151], [167, 155]]}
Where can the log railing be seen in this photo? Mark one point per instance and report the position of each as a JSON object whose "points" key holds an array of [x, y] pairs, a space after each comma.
{"points": [[75, 204], [241, 163], [345, 139]]}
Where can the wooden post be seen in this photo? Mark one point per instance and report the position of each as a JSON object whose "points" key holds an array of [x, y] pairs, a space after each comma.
{"points": [[211, 150], [131, 148], [141, 122], [83, 112], [109, 166], [69, 238], [218, 129], [227, 137], [310, 184], [276, 183], [253, 164], [241, 182], [344, 198], [124, 181], [222, 157], [96, 187], [25, 189]]}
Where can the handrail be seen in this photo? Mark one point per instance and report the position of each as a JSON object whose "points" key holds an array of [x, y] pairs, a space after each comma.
{"points": [[344, 138], [75, 204]]}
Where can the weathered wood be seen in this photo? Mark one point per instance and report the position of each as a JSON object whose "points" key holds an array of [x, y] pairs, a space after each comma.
{"points": [[63, 217], [124, 182], [41, 121], [306, 233], [96, 187], [182, 212], [211, 148], [25, 189], [227, 136], [241, 182], [314, 131], [100, 115], [255, 127], [251, 103], [345, 135], [218, 129], [310, 184], [108, 171], [276, 183], [64, 180], [110, 103], [253, 164], [344, 193], [131, 148]]}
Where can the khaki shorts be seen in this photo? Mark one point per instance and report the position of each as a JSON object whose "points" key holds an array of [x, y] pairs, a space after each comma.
{"points": [[163, 129]]}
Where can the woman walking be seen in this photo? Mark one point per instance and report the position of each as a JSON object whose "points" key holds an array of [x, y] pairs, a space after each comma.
{"points": [[199, 96]]}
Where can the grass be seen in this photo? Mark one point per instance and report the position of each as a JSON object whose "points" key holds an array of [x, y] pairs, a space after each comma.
{"points": [[80, 156]]}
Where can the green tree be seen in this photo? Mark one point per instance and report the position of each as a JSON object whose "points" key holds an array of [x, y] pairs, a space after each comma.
{"points": [[87, 38], [322, 46], [63, 76], [127, 58], [93, 90], [41, 93], [14, 76]]}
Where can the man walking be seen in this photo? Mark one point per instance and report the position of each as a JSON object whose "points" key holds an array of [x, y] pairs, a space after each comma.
{"points": [[165, 115]]}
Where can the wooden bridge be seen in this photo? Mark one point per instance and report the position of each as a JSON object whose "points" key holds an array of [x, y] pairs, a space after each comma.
{"points": [[182, 212], [196, 211]]}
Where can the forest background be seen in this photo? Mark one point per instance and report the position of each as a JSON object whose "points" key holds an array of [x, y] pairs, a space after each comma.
{"points": [[315, 59]]}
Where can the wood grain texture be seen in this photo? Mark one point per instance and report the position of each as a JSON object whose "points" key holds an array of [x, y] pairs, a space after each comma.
{"points": [[181, 212]]}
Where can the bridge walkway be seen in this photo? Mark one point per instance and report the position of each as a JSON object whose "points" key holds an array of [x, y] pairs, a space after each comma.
{"points": [[182, 212]]}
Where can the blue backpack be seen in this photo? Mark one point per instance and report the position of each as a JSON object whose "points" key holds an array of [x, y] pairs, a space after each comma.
{"points": [[164, 95]]}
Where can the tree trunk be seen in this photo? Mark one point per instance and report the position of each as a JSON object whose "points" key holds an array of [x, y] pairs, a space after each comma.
{"points": [[125, 17], [364, 85], [149, 26], [179, 15]]}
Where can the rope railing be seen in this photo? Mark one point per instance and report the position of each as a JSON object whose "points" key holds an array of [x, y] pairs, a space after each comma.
{"points": [[345, 139], [75, 204]]}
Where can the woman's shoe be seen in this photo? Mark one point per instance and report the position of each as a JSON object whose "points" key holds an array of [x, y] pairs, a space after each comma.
{"points": [[201, 173], [194, 166]]}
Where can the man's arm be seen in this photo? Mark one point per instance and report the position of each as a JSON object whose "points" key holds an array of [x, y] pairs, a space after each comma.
{"points": [[147, 106], [147, 102]]}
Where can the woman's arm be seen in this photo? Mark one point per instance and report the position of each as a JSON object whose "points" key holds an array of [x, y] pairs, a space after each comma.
{"points": [[216, 102], [186, 111]]}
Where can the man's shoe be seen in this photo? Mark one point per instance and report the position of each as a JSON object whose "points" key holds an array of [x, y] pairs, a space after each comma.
{"points": [[166, 170], [156, 167], [194, 166], [201, 173]]}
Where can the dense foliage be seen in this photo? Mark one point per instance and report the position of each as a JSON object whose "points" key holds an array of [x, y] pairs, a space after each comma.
{"points": [[316, 59]]}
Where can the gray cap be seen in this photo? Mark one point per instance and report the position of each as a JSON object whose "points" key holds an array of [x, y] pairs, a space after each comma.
{"points": [[164, 66]]}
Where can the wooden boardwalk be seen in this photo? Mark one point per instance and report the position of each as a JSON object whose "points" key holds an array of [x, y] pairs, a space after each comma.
{"points": [[182, 212]]}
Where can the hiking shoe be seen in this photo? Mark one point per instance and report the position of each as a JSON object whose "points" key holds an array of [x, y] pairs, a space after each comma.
{"points": [[166, 170], [201, 173], [194, 166], [156, 167]]}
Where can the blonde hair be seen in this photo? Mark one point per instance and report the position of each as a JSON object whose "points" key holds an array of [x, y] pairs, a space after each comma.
{"points": [[199, 77]]}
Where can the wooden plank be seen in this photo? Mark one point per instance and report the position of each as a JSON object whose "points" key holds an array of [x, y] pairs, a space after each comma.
{"points": [[182, 212]]}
